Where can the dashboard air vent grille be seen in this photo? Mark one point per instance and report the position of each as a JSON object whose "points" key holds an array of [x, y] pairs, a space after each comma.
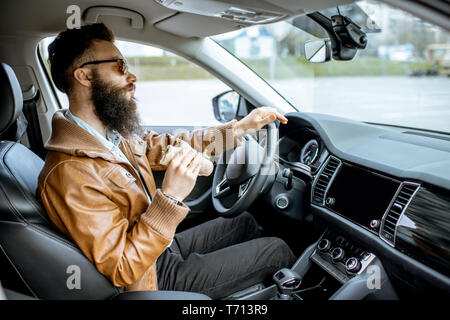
{"points": [[393, 214], [324, 179]]}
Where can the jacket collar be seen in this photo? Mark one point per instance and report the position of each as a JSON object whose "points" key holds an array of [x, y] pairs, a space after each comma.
{"points": [[70, 138]]}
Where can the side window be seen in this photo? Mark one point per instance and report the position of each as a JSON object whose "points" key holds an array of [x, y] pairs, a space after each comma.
{"points": [[170, 90], [43, 52]]}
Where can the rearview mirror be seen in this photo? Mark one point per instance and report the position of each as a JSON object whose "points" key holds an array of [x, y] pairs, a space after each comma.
{"points": [[226, 106], [318, 51]]}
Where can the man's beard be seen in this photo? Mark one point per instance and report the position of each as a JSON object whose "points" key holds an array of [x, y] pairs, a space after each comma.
{"points": [[114, 109]]}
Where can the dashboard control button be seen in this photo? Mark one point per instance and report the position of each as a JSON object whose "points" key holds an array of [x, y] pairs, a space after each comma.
{"points": [[330, 201], [282, 202], [365, 255], [324, 245], [340, 241], [375, 224], [337, 254], [352, 265]]}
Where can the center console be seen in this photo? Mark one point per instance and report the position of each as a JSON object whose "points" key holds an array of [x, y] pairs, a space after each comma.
{"points": [[336, 267], [331, 268], [341, 258]]}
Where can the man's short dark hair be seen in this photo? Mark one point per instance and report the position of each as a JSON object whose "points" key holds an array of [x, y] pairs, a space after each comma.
{"points": [[70, 45]]}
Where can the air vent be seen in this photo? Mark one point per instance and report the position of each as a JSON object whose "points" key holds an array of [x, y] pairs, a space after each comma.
{"points": [[323, 180], [393, 214]]}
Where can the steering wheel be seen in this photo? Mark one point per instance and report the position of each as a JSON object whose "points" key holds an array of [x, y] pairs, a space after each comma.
{"points": [[241, 174]]}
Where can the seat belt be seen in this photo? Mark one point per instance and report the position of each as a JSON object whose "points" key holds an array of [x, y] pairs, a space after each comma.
{"points": [[33, 129]]}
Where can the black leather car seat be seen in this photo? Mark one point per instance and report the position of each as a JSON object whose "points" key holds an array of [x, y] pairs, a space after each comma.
{"points": [[35, 259]]}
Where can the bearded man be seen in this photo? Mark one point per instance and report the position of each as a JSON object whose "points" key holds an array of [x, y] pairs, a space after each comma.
{"points": [[98, 189]]}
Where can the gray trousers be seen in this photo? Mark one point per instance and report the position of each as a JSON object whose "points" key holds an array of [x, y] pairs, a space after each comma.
{"points": [[221, 257]]}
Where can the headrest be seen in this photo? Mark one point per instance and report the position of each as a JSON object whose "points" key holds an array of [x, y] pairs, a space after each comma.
{"points": [[11, 100]]}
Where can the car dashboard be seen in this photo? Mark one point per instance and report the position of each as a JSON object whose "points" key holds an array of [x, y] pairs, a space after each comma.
{"points": [[386, 190]]}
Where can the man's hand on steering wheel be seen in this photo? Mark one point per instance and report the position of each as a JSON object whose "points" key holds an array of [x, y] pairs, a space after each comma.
{"points": [[240, 178], [257, 119]]}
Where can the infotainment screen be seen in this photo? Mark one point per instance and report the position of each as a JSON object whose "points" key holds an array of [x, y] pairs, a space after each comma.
{"points": [[360, 195]]}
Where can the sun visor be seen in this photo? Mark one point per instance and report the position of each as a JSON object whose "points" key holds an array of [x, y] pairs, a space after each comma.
{"points": [[243, 11], [202, 18], [191, 25]]}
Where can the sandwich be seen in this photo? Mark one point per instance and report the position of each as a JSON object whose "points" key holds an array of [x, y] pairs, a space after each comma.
{"points": [[206, 166]]}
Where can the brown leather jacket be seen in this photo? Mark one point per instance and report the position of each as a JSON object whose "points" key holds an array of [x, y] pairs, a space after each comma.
{"points": [[97, 199]]}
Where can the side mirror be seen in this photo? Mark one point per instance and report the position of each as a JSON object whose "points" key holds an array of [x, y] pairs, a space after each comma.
{"points": [[226, 105], [318, 51]]}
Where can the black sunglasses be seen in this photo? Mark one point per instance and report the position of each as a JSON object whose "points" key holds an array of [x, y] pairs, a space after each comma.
{"points": [[122, 64]]}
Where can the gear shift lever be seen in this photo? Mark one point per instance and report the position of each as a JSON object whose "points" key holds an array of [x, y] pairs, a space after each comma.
{"points": [[287, 282]]}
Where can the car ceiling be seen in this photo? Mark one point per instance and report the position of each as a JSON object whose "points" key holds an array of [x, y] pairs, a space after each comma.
{"points": [[30, 17], [47, 17]]}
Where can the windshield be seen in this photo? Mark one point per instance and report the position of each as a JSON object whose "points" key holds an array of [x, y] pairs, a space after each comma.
{"points": [[401, 78]]}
